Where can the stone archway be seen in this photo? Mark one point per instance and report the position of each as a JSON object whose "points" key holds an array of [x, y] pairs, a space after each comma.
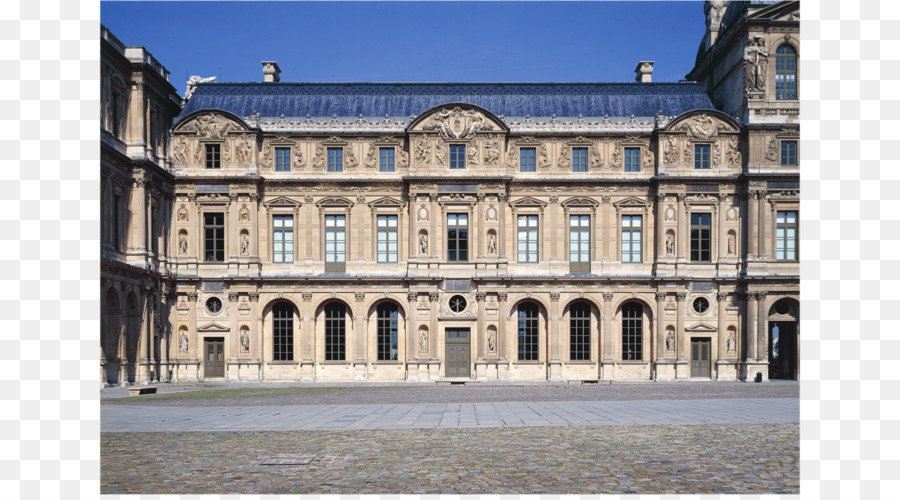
{"points": [[784, 340]]}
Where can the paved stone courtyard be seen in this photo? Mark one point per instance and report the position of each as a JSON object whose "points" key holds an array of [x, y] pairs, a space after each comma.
{"points": [[625, 438]]}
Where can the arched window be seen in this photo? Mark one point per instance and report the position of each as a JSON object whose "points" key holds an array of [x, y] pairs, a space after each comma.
{"points": [[785, 73], [632, 331], [580, 332], [283, 332], [528, 332], [387, 331], [335, 332]]}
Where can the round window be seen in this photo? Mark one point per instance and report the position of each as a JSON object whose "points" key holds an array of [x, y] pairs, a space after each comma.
{"points": [[701, 305], [457, 304], [782, 307], [213, 305]]}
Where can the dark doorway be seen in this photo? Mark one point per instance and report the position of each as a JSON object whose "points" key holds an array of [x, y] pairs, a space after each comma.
{"points": [[783, 350], [215, 358], [700, 358], [457, 349]]}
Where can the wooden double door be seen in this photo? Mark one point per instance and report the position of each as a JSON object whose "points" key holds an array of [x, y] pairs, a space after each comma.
{"points": [[700, 358], [214, 360], [457, 352]]}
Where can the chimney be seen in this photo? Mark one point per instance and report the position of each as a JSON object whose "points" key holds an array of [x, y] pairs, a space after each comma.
{"points": [[271, 71], [643, 71]]}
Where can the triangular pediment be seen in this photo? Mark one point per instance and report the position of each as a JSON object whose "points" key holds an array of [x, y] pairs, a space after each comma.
{"points": [[528, 201], [282, 201], [782, 11], [701, 327], [632, 201], [212, 327], [386, 202]]}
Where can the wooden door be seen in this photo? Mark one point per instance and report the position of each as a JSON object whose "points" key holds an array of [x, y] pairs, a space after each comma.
{"points": [[457, 352], [700, 358], [215, 358]]}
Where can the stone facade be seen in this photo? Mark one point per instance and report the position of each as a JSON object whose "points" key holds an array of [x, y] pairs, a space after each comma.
{"points": [[496, 246]]}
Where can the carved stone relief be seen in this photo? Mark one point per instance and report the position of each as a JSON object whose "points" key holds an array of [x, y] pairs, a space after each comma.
{"points": [[458, 123], [671, 151], [772, 152], [491, 152], [563, 162], [423, 151], [756, 62]]}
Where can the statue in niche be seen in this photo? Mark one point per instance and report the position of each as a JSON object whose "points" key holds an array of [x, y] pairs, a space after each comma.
{"points": [[183, 244], [423, 243], [670, 341], [245, 244], [423, 341], [731, 244], [183, 343], [492, 244], [492, 342], [245, 341], [670, 245], [730, 343]]}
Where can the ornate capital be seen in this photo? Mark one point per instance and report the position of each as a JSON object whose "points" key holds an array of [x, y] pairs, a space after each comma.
{"points": [[480, 196], [681, 197], [480, 296], [307, 297], [722, 297], [253, 296], [232, 297], [432, 197], [660, 196], [750, 295], [433, 296], [554, 199], [554, 296], [761, 295], [359, 296], [412, 296], [502, 197], [660, 296], [192, 297], [501, 296], [680, 296], [607, 296]]}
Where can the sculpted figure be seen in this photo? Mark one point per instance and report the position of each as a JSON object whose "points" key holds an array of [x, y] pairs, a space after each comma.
{"points": [[183, 244], [182, 214], [730, 343], [423, 341], [670, 339], [192, 83], [245, 244], [730, 244], [670, 245], [492, 244], [183, 343], [423, 244], [492, 342], [423, 151], [440, 153], [245, 342], [756, 57]]}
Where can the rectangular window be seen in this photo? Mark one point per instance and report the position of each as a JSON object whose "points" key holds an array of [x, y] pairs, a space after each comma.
{"points": [[335, 243], [457, 156], [528, 238], [212, 156], [632, 331], [386, 160], [580, 332], [788, 152], [457, 237], [632, 159], [282, 159], [387, 238], [579, 159], [700, 237], [786, 236], [387, 332], [580, 243], [214, 228], [526, 159], [631, 238], [282, 332], [335, 159], [528, 331], [335, 332], [283, 238], [701, 156]]}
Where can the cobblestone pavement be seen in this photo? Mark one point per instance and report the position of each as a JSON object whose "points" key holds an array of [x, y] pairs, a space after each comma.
{"points": [[289, 394], [716, 458]]}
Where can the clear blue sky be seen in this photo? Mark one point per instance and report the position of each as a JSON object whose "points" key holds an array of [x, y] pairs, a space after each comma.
{"points": [[413, 41]]}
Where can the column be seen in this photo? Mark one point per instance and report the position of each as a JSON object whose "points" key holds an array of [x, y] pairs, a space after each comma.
{"points": [[433, 329], [480, 349], [308, 335], [501, 323], [660, 325], [231, 230], [752, 313], [680, 337], [147, 318], [553, 354], [761, 224], [501, 234], [722, 299], [412, 343], [660, 229], [683, 229], [234, 341], [723, 231], [752, 225], [256, 329], [359, 327], [762, 336], [137, 235], [165, 333], [194, 351], [607, 333]]}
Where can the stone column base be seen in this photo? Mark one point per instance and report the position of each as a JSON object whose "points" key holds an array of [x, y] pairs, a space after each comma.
{"points": [[749, 369]]}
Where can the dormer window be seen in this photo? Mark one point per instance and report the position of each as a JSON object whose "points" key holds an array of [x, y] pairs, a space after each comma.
{"points": [[213, 156]]}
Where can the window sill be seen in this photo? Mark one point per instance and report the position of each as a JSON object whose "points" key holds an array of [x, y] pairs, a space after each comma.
{"points": [[273, 362]]}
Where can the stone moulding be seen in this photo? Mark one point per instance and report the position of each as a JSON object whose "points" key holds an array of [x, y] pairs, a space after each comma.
{"points": [[516, 125]]}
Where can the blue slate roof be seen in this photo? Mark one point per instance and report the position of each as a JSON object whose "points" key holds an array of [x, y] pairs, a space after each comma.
{"points": [[400, 100]]}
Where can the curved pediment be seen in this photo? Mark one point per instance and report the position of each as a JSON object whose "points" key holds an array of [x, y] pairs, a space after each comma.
{"points": [[211, 124], [457, 121], [704, 124]]}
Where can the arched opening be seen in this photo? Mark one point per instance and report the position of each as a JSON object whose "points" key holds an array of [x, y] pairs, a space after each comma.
{"points": [[580, 331], [387, 316], [784, 340], [282, 332], [632, 331], [785, 72], [335, 332], [529, 327]]}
